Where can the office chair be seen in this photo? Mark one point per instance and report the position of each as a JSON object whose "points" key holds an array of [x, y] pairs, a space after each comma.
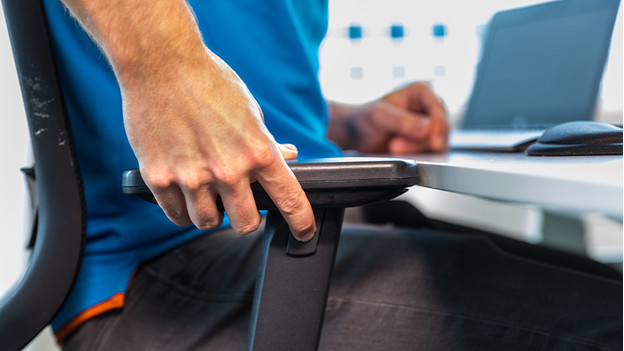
{"points": [[33, 301], [293, 279]]}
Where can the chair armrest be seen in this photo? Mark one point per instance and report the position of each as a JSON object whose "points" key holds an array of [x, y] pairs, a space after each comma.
{"points": [[327, 182], [293, 277]]}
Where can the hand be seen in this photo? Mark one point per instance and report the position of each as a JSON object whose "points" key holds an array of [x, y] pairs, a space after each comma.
{"points": [[408, 120], [196, 130], [198, 133]]}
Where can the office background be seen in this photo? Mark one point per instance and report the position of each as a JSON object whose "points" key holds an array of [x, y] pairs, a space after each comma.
{"points": [[372, 46]]}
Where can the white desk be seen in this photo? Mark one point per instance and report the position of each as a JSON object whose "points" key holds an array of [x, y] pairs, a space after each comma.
{"points": [[562, 184]]}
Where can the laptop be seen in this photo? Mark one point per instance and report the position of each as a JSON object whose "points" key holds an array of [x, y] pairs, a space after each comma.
{"points": [[541, 66]]}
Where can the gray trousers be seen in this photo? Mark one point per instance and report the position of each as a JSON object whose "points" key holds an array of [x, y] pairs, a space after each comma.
{"points": [[392, 289]]}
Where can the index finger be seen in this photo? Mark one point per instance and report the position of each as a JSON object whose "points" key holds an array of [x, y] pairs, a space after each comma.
{"points": [[420, 98], [283, 188], [438, 140]]}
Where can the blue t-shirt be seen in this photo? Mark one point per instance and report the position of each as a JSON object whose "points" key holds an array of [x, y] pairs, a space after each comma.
{"points": [[271, 44]]}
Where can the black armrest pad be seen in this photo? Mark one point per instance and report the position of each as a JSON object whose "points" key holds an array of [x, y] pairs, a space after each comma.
{"points": [[328, 182]]}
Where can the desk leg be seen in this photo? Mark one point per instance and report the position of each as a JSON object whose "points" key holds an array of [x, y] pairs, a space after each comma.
{"points": [[563, 232], [292, 284]]}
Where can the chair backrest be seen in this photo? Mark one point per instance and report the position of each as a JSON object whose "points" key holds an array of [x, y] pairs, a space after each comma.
{"points": [[32, 302]]}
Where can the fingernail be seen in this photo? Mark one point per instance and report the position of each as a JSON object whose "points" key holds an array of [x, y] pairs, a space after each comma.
{"points": [[290, 147]]}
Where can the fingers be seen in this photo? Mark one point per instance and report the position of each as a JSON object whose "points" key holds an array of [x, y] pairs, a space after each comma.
{"points": [[409, 132], [281, 185], [415, 117], [402, 146], [438, 133], [192, 199], [241, 208], [285, 191], [401, 122], [422, 98], [185, 200], [188, 203], [202, 208], [288, 151], [171, 200]]}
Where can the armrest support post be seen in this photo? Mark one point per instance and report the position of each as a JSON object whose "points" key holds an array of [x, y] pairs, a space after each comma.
{"points": [[291, 290]]}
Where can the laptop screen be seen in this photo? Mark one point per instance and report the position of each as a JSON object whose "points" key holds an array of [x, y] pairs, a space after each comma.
{"points": [[542, 65]]}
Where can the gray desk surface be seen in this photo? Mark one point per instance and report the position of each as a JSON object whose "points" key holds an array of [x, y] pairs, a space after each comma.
{"points": [[563, 184]]}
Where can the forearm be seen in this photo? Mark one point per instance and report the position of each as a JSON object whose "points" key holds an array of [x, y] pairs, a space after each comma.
{"points": [[142, 40]]}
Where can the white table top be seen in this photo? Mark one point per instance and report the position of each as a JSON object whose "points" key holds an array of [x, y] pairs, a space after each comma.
{"points": [[564, 184]]}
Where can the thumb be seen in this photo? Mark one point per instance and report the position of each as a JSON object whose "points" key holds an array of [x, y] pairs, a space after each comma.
{"points": [[289, 151]]}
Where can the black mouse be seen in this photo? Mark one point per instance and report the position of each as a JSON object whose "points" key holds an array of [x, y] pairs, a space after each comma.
{"points": [[580, 138]]}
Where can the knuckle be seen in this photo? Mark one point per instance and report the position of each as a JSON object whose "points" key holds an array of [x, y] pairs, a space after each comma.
{"points": [[262, 155], [193, 180], [246, 228], [227, 175], [419, 85], [157, 180], [190, 182], [290, 203]]}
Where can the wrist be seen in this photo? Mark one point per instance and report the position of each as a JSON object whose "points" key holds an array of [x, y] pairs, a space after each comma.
{"points": [[340, 128], [152, 67]]}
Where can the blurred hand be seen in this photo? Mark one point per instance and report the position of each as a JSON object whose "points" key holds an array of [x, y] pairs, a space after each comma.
{"points": [[408, 120]]}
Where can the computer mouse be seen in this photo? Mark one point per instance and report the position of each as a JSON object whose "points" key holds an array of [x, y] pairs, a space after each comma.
{"points": [[579, 138]]}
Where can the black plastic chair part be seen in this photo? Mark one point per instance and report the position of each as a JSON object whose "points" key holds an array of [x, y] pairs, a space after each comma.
{"points": [[293, 277], [33, 301]]}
